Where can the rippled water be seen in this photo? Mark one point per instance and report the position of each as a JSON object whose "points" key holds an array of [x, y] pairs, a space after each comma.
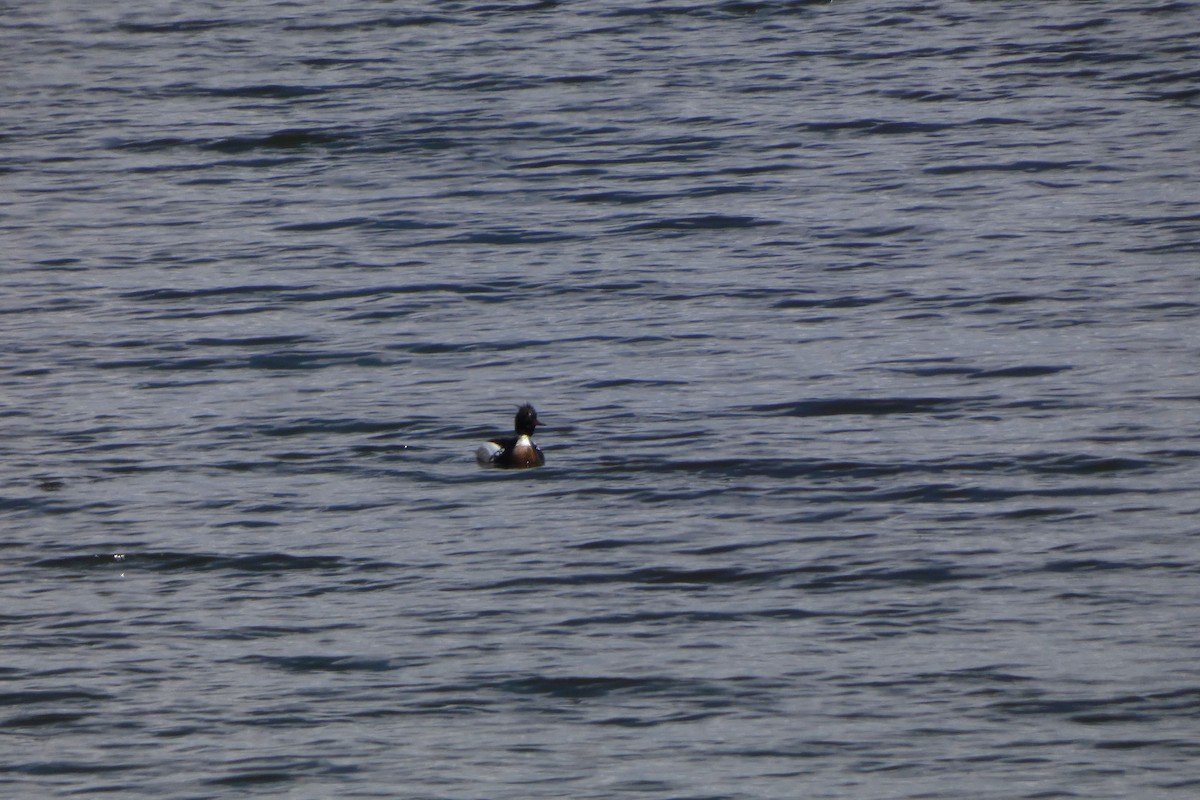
{"points": [[865, 336]]}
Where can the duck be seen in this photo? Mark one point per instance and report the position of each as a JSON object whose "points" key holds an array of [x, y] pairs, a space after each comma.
{"points": [[517, 451]]}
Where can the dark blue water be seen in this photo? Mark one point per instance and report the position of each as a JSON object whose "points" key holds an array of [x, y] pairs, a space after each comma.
{"points": [[866, 336]]}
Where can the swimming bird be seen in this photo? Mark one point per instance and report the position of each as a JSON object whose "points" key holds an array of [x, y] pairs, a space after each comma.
{"points": [[517, 451]]}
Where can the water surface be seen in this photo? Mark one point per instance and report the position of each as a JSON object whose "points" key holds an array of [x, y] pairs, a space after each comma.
{"points": [[864, 335]]}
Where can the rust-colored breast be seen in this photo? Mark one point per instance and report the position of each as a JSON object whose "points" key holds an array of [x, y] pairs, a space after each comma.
{"points": [[527, 456]]}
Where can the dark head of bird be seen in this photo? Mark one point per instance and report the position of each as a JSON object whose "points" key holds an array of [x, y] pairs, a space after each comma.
{"points": [[526, 420]]}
